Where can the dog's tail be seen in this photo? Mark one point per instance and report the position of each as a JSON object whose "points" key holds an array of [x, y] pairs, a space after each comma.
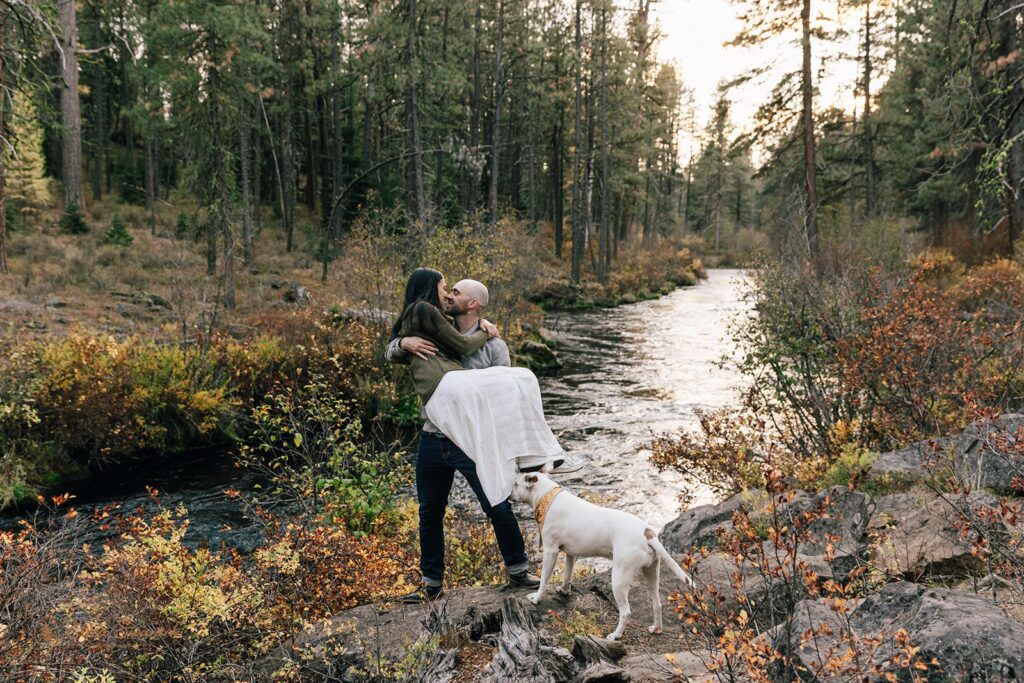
{"points": [[655, 544]]}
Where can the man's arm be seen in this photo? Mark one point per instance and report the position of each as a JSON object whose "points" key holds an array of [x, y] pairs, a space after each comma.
{"points": [[400, 348]]}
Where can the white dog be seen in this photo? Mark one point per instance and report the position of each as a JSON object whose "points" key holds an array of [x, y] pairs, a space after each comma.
{"points": [[582, 529]]}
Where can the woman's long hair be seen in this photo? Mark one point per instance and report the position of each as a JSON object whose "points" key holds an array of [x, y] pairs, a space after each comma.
{"points": [[422, 286]]}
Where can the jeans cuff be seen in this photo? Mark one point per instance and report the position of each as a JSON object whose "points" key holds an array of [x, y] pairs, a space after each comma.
{"points": [[433, 583], [517, 568]]}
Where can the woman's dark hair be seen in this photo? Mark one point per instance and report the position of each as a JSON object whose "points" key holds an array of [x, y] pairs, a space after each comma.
{"points": [[422, 286]]}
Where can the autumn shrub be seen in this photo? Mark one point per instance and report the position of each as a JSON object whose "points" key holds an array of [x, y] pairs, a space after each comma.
{"points": [[742, 621], [99, 399], [307, 441], [146, 606]]}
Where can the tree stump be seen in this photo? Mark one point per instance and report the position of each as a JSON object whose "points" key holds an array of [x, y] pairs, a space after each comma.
{"points": [[522, 654]]}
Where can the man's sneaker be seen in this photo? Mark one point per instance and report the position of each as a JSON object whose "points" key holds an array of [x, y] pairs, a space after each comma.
{"points": [[424, 594], [567, 465], [558, 466], [524, 580]]}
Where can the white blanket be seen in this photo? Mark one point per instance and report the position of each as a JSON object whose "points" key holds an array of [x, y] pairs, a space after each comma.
{"points": [[494, 416]]}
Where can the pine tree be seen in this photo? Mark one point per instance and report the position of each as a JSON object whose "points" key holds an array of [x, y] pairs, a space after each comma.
{"points": [[118, 233]]}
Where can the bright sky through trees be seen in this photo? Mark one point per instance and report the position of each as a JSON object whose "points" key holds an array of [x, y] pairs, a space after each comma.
{"points": [[694, 36]]}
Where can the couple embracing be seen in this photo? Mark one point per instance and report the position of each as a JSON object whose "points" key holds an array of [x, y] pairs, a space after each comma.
{"points": [[482, 418]]}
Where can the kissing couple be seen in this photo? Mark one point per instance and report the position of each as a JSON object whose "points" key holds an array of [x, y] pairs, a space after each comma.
{"points": [[482, 418]]}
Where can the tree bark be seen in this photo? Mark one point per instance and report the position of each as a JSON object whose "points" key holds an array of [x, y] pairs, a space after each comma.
{"points": [[338, 151], [222, 189], [245, 152], [811, 183], [558, 183], [871, 199], [3, 148], [603, 241], [70, 108], [415, 170], [499, 96], [577, 170], [475, 104]]}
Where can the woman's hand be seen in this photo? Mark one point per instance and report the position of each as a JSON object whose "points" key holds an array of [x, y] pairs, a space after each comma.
{"points": [[490, 328]]}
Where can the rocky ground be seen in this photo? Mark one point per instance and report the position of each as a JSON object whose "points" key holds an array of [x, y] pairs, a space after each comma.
{"points": [[893, 584]]}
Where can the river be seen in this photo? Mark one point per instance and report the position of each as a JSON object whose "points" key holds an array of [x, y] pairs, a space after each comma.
{"points": [[627, 373]]}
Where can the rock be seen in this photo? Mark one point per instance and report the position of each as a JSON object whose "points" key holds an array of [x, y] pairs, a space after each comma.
{"points": [[969, 637], [910, 463], [842, 525], [537, 357], [296, 294], [554, 294], [54, 302], [988, 454], [915, 535], [983, 456], [144, 299], [700, 526], [670, 667]]}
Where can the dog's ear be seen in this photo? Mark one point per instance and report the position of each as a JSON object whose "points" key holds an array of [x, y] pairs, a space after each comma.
{"points": [[532, 479]]}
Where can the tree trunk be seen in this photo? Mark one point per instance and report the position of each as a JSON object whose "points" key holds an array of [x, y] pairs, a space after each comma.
{"points": [[245, 152], [871, 199], [602, 271], [99, 129], [499, 96], [70, 108], [577, 170], [338, 151], [414, 172], [222, 189], [811, 184], [150, 182], [288, 199], [475, 104], [3, 148], [558, 183]]}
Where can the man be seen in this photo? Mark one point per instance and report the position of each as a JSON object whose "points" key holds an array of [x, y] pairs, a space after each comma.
{"points": [[438, 458]]}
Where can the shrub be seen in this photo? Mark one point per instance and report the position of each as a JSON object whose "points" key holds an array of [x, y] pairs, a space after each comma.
{"points": [[118, 233], [73, 222]]}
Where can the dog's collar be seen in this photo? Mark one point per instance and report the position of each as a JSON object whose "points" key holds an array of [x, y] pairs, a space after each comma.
{"points": [[541, 511]]}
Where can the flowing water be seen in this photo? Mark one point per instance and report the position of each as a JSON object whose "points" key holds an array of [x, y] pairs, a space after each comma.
{"points": [[636, 370], [627, 373]]}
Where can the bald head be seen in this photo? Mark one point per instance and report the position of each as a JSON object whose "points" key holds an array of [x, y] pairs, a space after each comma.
{"points": [[469, 291]]}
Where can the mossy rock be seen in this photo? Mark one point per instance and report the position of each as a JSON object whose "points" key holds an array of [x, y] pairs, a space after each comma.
{"points": [[538, 357]]}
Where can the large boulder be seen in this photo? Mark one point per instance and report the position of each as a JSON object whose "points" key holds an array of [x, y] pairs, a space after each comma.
{"points": [[839, 530], [985, 455], [910, 463], [960, 636], [991, 454], [918, 534], [701, 526]]}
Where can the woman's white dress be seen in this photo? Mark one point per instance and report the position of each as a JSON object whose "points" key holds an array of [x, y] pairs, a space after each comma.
{"points": [[495, 416]]}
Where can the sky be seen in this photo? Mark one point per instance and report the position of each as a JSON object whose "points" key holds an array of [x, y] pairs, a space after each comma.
{"points": [[694, 33]]}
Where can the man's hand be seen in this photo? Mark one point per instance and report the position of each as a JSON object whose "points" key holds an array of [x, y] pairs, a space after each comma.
{"points": [[418, 346], [490, 328]]}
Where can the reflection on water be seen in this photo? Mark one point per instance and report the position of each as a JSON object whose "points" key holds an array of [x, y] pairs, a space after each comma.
{"points": [[637, 370]]}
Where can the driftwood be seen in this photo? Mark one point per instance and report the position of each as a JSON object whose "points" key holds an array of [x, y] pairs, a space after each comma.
{"points": [[522, 654], [442, 668], [595, 659]]}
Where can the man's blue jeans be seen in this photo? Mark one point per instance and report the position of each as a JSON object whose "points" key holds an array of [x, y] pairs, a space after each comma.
{"points": [[437, 460]]}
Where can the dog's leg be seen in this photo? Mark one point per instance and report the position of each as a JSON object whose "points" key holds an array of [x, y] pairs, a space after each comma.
{"points": [[622, 577], [570, 561], [652, 574], [547, 567]]}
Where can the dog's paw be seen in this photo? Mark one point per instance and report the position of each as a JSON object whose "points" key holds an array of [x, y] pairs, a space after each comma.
{"points": [[564, 590], [613, 636], [533, 597], [654, 629]]}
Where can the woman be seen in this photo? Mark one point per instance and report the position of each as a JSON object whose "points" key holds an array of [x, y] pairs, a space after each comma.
{"points": [[495, 415]]}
